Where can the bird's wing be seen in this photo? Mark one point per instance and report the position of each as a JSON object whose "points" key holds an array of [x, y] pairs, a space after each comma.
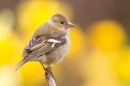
{"points": [[40, 45]]}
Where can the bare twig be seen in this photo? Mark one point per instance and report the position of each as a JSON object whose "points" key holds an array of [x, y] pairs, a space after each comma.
{"points": [[49, 77]]}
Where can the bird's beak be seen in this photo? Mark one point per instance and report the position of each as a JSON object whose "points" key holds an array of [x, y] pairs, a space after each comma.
{"points": [[69, 25]]}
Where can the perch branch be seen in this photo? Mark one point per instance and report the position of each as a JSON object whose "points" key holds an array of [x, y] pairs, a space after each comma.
{"points": [[49, 77]]}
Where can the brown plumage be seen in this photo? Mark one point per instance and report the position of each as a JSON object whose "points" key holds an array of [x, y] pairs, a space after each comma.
{"points": [[50, 42]]}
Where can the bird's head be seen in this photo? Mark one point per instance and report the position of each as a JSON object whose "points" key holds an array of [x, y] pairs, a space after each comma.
{"points": [[61, 22]]}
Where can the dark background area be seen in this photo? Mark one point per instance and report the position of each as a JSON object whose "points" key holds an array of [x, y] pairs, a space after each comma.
{"points": [[89, 11]]}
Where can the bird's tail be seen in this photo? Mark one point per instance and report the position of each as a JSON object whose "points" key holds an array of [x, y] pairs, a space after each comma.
{"points": [[22, 62]]}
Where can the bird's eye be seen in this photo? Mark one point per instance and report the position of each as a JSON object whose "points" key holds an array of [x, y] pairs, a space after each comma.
{"points": [[61, 22]]}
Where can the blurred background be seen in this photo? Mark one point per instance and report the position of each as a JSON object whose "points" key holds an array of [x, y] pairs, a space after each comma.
{"points": [[100, 42]]}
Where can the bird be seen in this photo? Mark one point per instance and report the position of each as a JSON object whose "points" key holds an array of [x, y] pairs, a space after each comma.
{"points": [[50, 42]]}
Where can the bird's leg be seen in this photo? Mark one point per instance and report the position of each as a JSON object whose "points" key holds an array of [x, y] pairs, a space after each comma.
{"points": [[48, 70], [43, 67], [50, 66]]}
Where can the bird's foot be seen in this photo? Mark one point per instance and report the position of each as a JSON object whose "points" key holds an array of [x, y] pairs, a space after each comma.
{"points": [[48, 70]]}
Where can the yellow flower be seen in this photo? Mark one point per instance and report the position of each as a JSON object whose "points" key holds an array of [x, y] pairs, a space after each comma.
{"points": [[122, 65], [108, 34]]}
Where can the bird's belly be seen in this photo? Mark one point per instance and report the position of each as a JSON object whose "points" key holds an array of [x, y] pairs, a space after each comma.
{"points": [[57, 55]]}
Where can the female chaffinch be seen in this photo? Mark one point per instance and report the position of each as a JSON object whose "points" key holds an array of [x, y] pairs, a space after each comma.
{"points": [[50, 42]]}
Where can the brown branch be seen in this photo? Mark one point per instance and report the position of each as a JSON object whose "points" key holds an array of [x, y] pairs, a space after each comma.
{"points": [[49, 77]]}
